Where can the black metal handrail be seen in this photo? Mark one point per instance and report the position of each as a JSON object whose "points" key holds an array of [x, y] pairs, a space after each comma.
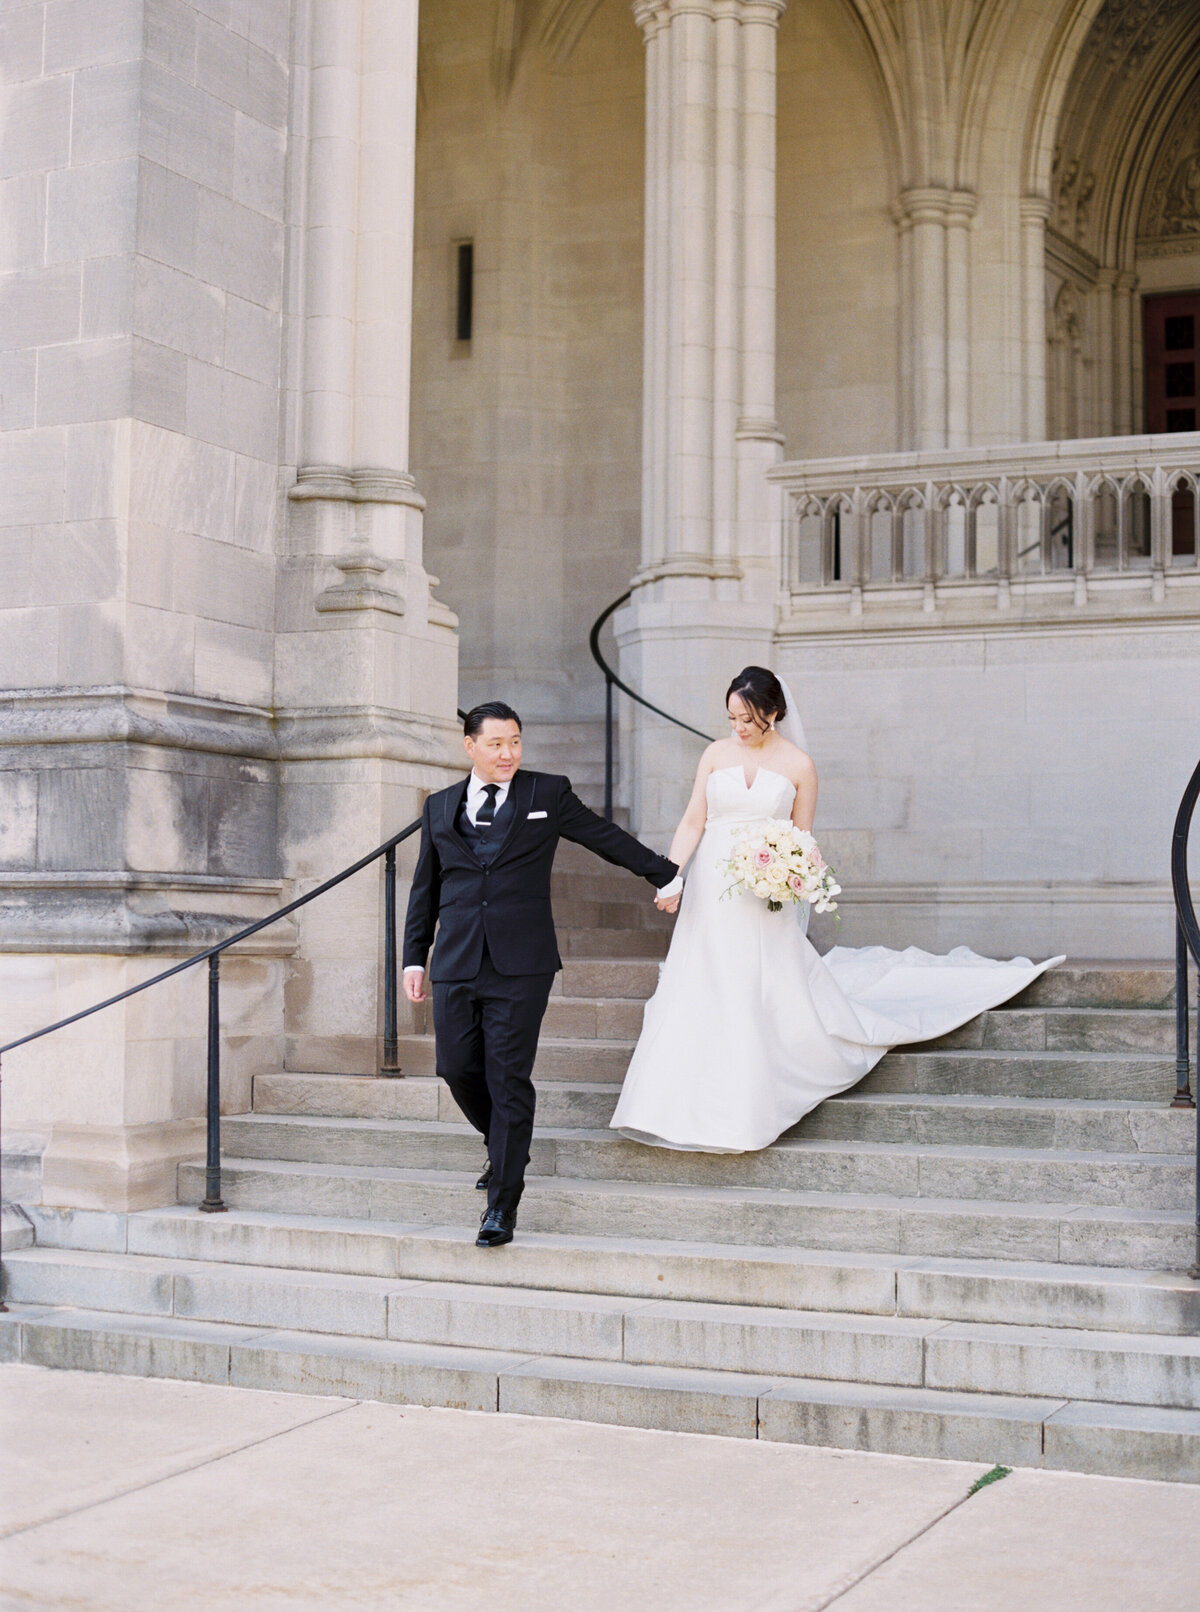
{"points": [[611, 681], [213, 1203], [1187, 939]]}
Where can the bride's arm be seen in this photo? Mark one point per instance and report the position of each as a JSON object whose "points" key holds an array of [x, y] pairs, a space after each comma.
{"points": [[691, 824], [804, 809]]}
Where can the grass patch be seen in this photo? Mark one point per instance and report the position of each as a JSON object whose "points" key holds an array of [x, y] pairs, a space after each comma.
{"points": [[993, 1476]]}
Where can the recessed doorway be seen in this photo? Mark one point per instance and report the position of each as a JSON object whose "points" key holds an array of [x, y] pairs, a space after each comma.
{"points": [[1171, 329]]}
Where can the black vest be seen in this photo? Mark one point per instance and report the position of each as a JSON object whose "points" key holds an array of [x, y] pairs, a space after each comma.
{"points": [[487, 839]]}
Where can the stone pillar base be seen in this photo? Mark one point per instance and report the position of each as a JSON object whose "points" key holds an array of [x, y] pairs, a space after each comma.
{"points": [[97, 1115], [682, 641], [118, 1167]]}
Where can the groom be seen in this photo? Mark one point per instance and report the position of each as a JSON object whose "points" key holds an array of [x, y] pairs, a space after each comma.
{"points": [[483, 876]]}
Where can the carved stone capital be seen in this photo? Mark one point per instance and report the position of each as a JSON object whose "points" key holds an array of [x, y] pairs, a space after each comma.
{"points": [[361, 590], [1036, 209], [366, 485], [933, 204]]}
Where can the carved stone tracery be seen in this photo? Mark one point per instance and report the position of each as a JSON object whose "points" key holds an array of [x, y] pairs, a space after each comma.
{"points": [[1171, 210]]}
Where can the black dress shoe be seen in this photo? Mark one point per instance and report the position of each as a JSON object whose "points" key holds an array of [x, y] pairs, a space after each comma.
{"points": [[482, 1184], [496, 1227]]}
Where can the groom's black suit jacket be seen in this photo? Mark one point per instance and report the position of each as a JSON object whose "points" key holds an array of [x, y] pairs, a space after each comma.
{"points": [[507, 901]]}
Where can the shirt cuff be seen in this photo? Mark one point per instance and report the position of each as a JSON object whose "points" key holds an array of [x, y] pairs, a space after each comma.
{"points": [[414, 968], [669, 890]]}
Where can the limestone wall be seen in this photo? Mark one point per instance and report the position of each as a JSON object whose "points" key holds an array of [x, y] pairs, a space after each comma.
{"points": [[142, 153], [1012, 788], [839, 339], [526, 440]]}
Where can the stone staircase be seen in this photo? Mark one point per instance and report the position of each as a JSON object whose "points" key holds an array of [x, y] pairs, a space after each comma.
{"points": [[976, 1253]]}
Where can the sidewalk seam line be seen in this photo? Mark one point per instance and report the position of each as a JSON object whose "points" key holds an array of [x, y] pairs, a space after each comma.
{"points": [[166, 1477], [845, 1587]]}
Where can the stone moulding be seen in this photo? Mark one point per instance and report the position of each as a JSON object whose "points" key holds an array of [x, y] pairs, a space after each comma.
{"points": [[129, 914], [367, 486], [119, 715], [367, 732], [361, 589], [1011, 893]]}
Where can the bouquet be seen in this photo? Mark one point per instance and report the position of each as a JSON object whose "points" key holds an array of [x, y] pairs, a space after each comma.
{"points": [[780, 862]]}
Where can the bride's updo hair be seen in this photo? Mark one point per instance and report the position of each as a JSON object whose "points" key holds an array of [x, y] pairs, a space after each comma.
{"points": [[759, 690]]}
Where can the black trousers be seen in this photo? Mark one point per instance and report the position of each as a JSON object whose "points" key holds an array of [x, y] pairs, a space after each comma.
{"points": [[486, 1031]]}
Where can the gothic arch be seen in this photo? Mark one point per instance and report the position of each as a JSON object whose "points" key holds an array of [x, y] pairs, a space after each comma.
{"points": [[937, 67], [1135, 70], [555, 25], [1170, 201]]}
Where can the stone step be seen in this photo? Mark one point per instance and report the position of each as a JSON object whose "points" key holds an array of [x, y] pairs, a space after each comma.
{"points": [[1082, 983], [1130, 1030], [1100, 1076], [986, 1291], [1071, 1233], [1111, 986], [1041, 1175], [634, 979], [980, 1071], [628, 909], [1133, 1441], [1075, 1124], [1128, 988], [1135, 1030], [615, 943], [593, 1018], [915, 1352], [597, 881], [1116, 1030]]}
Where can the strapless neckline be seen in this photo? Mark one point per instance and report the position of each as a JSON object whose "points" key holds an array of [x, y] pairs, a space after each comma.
{"points": [[770, 771]]}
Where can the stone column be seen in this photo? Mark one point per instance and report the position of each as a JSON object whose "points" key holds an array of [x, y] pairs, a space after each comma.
{"points": [[327, 420], [704, 598], [759, 441], [924, 210], [1103, 413], [366, 677], [1035, 210], [934, 224], [140, 316], [960, 211], [1127, 363]]}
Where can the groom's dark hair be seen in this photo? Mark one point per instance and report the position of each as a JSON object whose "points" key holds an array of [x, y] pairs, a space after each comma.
{"points": [[478, 715]]}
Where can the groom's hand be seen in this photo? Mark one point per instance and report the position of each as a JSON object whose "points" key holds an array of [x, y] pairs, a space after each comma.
{"points": [[671, 904], [414, 984]]}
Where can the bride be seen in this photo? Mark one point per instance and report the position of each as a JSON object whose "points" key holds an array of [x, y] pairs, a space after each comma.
{"points": [[750, 1028]]}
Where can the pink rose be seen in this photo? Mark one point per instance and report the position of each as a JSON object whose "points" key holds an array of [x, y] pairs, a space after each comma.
{"points": [[763, 858]]}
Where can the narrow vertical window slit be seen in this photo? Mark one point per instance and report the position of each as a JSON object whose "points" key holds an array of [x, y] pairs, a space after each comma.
{"points": [[464, 304]]}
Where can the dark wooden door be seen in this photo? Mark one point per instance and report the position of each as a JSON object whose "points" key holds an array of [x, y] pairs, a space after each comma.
{"points": [[1171, 331]]}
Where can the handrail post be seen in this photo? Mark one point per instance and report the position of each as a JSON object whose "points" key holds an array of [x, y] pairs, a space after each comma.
{"points": [[608, 747], [391, 1039], [3, 1306], [1194, 1272], [213, 1203], [1183, 1090]]}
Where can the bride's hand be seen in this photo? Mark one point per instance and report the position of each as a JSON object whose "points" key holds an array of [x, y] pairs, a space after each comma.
{"points": [[670, 905]]}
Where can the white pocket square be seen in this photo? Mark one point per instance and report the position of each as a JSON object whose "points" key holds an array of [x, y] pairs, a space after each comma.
{"points": [[532, 815]]}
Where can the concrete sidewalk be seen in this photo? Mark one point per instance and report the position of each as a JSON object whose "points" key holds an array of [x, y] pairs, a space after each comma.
{"points": [[127, 1494]]}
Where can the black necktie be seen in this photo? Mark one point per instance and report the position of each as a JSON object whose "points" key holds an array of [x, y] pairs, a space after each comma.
{"points": [[487, 812]]}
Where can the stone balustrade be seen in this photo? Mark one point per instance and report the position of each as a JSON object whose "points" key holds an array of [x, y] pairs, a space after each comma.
{"points": [[1102, 524]]}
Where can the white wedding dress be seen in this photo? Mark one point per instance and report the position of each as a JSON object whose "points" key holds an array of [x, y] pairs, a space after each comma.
{"points": [[750, 1027]]}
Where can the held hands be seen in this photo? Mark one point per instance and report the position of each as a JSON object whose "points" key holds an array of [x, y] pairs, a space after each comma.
{"points": [[670, 904]]}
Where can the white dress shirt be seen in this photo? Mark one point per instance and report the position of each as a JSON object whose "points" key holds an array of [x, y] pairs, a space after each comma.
{"points": [[475, 799]]}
